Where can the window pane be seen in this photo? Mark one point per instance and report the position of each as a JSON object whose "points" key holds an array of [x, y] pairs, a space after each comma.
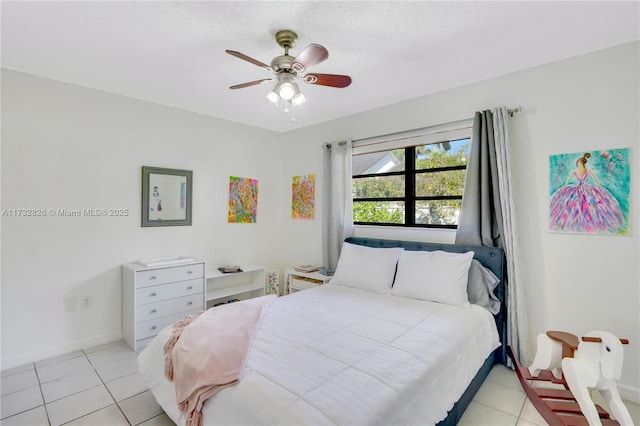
{"points": [[437, 212], [378, 162], [438, 170], [378, 187], [445, 154], [378, 211], [450, 182]]}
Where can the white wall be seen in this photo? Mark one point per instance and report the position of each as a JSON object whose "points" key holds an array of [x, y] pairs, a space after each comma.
{"points": [[71, 147], [65, 146], [575, 283]]}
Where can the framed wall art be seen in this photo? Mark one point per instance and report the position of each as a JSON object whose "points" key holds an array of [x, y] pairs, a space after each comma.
{"points": [[166, 196]]}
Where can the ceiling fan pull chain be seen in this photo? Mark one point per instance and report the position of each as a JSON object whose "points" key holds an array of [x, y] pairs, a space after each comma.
{"points": [[286, 105], [293, 113]]}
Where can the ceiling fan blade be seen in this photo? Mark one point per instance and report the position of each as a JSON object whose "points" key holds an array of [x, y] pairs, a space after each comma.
{"points": [[312, 55], [249, 59], [251, 83], [332, 80]]}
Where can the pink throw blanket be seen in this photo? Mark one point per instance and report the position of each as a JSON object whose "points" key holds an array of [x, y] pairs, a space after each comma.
{"points": [[208, 352]]}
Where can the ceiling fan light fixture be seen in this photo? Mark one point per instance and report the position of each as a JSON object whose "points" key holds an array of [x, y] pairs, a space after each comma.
{"points": [[272, 97], [288, 69], [287, 90], [298, 99]]}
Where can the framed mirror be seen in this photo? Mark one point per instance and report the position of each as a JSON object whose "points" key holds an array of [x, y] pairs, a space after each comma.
{"points": [[166, 196]]}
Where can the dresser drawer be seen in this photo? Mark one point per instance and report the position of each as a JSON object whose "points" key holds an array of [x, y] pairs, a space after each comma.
{"points": [[168, 291], [168, 307], [153, 277], [143, 343], [303, 284], [152, 327]]}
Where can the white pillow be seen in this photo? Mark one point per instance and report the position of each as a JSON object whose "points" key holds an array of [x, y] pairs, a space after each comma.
{"points": [[367, 268], [436, 276]]}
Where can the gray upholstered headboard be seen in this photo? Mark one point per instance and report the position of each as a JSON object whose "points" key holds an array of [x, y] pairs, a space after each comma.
{"points": [[490, 257]]}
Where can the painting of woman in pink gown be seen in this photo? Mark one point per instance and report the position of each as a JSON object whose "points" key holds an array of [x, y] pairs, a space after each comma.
{"points": [[590, 192]]}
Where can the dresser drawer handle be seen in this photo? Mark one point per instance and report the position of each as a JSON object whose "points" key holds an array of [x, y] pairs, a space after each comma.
{"points": [[190, 303], [152, 295], [153, 311], [153, 277], [189, 272], [190, 287], [153, 327]]}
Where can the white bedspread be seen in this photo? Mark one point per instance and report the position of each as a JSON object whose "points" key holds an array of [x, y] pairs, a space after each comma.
{"points": [[338, 355]]}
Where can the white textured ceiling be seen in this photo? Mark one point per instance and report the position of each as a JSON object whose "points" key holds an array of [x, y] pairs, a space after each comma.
{"points": [[173, 52]]}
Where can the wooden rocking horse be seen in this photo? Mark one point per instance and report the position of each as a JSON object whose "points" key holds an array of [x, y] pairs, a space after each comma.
{"points": [[595, 362]]}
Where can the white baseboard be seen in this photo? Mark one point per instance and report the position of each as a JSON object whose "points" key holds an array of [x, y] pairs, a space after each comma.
{"points": [[629, 393], [59, 350]]}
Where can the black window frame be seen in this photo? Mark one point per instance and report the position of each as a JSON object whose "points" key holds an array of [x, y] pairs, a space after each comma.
{"points": [[410, 172]]}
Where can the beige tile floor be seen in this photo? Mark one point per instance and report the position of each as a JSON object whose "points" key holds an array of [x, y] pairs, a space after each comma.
{"points": [[101, 386], [91, 387]]}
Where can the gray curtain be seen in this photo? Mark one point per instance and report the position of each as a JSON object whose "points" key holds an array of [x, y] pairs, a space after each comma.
{"points": [[480, 221], [488, 216], [337, 205]]}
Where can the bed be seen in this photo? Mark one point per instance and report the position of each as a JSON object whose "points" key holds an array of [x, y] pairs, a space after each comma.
{"points": [[345, 354]]}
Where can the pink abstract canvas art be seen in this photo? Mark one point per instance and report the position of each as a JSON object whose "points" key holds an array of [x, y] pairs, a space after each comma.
{"points": [[589, 192]]}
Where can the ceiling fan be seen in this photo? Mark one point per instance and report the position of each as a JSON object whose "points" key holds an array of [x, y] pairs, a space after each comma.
{"points": [[287, 69]]}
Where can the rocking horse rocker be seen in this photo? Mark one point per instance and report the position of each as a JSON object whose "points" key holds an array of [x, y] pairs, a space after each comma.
{"points": [[595, 362]]}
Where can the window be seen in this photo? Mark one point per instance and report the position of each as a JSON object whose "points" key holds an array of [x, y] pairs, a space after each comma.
{"points": [[419, 185]]}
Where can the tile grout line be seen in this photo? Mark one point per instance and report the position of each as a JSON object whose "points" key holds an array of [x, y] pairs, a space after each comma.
{"points": [[44, 404], [81, 353], [62, 377], [497, 409], [102, 383], [518, 416], [20, 390], [107, 388], [117, 403], [522, 409], [76, 393]]}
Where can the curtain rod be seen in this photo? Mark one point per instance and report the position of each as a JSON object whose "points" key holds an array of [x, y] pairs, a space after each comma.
{"points": [[510, 111], [328, 144]]}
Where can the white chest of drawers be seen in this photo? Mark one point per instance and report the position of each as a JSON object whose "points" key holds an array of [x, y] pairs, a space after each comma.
{"points": [[155, 297]]}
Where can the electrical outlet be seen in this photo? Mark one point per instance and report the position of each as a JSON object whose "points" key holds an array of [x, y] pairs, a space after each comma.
{"points": [[85, 302]]}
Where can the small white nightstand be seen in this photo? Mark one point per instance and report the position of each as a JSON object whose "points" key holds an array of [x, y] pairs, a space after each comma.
{"points": [[296, 280]]}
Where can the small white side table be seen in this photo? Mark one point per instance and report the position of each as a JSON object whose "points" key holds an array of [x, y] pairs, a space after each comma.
{"points": [[296, 280]]}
